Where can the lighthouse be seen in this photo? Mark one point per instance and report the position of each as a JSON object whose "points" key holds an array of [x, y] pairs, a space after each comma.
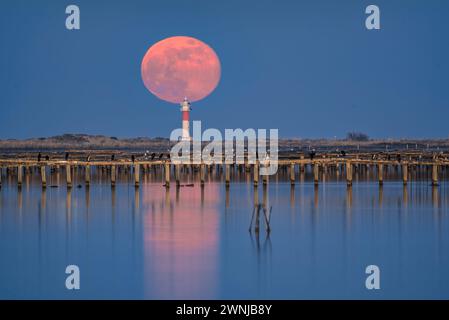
{"points": [[185, 109]]}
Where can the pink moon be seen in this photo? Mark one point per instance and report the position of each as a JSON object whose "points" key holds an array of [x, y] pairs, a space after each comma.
{"points": [[180, 67]]}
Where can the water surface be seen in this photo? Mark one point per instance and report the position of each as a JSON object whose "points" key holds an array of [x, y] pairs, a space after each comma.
{"points": [[194, 243]]}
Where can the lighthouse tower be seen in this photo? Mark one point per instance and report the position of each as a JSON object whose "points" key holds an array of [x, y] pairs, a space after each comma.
{"points": [[185, 109]]}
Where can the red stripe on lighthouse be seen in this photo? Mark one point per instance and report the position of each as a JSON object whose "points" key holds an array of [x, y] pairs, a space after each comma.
{"points": [[185, 116]]}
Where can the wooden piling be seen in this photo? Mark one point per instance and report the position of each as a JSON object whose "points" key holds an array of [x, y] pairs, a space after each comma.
{"points": [[202, 173], [256, 174], [316, 178], [113, 175], [43, 177], [167, 174], [228, 174], [19, 175], [136, 175], [404, 173], [87, 177], [435, 174], [348, 173], [68, 172], [1, 171], [265, 179], [380, 169], [292, 174]]}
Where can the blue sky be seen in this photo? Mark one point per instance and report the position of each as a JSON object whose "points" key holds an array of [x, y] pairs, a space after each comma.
{"points": [[308, 68]]}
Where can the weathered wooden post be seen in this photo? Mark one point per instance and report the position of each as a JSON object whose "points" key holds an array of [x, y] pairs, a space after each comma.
{"points": [[348, 173], [316, 178], [202, 173], [380, 173], [292, 174], [87, 175], [265, 179], [68, 172], [435, 174], [43, 177], [228, 174], [19, 175], [113, 175], [404, 173], [136, 174], [256, 174], [167, 174]]}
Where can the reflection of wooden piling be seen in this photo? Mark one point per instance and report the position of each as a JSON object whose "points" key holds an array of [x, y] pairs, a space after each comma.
{"points": [[292, 173], [435, 196], [167, 174], [43, 177], [380, 173], [257, 222], [349, 197], [348, 173], [265, 196], [68, 172], [434, 174], [404, 173], [43, 199], [19, 176], [256, 196], [381, 194], [87, 175], [136, 200], [404, 195], [227, 198], [113, 175], [136, 175], [255, 218], [292, 195]]}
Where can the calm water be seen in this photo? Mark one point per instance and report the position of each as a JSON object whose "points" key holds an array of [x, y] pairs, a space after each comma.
{"points": [[193, 243]]}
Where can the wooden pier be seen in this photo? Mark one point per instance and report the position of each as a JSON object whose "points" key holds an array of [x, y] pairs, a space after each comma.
{"points": [[292, 166]]}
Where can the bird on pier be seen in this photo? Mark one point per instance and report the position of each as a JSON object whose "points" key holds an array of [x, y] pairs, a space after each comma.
{"points": [[66, 156], [133, 158], [39, 157], [113, 157], [47, 158]]}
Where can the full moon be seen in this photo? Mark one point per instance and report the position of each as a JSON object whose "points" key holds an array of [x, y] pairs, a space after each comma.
{"points": [[180, 67]]}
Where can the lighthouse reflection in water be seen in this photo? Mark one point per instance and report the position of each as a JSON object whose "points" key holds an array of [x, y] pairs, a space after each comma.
{"points": [[193, 242]]}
